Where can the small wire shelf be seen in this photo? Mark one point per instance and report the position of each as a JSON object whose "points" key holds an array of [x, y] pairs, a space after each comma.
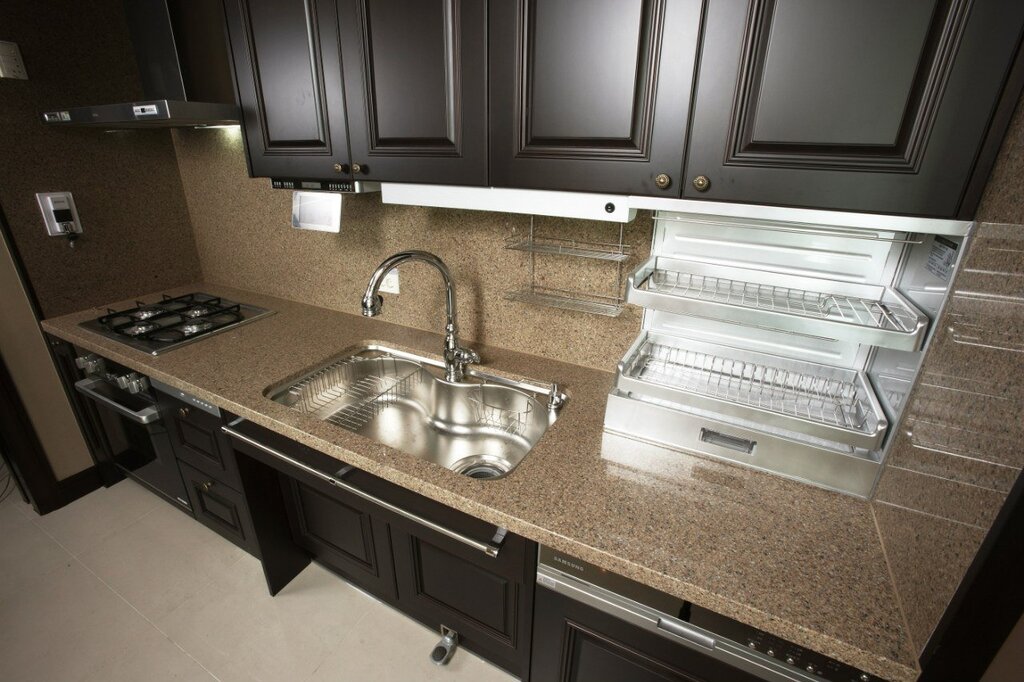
{"points": [[825, 306], [508, 411], [609, 306], [822, 399], [616, 252]]}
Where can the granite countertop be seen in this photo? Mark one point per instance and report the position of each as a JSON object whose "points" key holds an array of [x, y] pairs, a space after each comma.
{"points": [[799, 562]]}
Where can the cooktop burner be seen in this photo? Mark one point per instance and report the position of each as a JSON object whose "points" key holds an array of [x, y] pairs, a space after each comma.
{"points": [[173, 321]]}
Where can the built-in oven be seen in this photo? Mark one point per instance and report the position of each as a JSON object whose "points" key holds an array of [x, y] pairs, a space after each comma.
{"points": [[133, 427]]}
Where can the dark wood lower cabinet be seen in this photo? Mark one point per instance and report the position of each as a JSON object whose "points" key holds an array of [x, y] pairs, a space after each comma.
{"points": [[220, 508], [341, 532], [573, 642]]}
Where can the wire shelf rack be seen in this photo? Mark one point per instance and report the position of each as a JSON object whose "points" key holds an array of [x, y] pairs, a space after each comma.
{"points": [[835, 307], [821, 399], [609, 306], [616, 252]]}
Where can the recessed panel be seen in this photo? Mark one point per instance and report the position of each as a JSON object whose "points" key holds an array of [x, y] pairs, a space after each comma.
{"points": [[411, 66], [334, 524], [584, 68], [838, 72], [464, 587], [283, 40]]}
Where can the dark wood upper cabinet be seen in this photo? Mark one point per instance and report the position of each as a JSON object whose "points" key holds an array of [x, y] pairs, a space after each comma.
{"points": [[591, 95], [416, 88], [288, 75], [869, 106]]}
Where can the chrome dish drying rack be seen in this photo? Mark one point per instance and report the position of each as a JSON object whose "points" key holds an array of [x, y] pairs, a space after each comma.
{"points": [[760, 337]]}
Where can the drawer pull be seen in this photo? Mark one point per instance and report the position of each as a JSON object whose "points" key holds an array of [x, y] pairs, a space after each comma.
{"points": [[726, 441], [491, 549]]}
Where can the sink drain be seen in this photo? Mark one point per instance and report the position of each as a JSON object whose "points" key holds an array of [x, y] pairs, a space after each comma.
{"points": [[482, 466]]}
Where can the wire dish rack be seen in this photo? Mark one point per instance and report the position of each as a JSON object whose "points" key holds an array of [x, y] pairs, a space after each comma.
{"points": [[828, 402], [499, 408], [865, 313]]}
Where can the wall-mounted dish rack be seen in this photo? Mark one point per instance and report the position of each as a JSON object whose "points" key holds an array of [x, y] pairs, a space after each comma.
{"points": [[784, 346]]}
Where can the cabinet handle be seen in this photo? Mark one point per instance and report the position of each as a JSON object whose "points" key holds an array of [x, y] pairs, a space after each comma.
{"points": [[491, 549], [662, 180], [184, 412], [358, 168], [340, 168], [206, 486], [701, 183]]}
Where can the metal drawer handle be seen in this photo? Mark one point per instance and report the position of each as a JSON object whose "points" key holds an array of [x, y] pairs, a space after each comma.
{"points": [[490, 549], [724, 440], [682, 630], [149, 415]]}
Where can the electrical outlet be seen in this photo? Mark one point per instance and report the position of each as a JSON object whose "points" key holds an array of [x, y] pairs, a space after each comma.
{"points": [[11, 64], [390, 283]]}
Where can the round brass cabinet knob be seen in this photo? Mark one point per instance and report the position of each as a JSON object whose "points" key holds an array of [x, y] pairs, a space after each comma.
{"points": [[206, 486], [662, 180], [701, 183], [184, 412], [340, 168], [356, 168]]}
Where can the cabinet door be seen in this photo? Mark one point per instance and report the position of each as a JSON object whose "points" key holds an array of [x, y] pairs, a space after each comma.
{"points": [[288, 75], [416, 89], [868, 106], [340, 531], [591, 95], [573, 642], [197, 439], [220, 508], [487, 600]]}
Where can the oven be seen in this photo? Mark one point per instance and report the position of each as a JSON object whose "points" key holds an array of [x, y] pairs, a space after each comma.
{"points": [[133, 427]]}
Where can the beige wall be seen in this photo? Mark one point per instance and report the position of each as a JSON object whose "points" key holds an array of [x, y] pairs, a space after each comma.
{"points": [[28, 361], [126, 185], [244, 239]]}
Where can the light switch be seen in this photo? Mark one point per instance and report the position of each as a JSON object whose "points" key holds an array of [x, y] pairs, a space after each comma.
{"points": [[11, 63], [59, 213]]}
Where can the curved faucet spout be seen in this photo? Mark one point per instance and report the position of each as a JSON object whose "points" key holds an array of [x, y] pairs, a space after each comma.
{"points": [[455, 357]]}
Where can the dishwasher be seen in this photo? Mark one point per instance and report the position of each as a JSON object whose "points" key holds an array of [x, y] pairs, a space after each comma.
{"points": [[782, 344], [593, 625]]}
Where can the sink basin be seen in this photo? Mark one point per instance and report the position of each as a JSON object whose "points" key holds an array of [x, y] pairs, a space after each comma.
{"points": [[481, 427]]}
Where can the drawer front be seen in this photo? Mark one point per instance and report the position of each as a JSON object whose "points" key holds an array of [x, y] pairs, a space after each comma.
{"points": [[198, 440], [220, 508], [340, 531], [487, 600]]}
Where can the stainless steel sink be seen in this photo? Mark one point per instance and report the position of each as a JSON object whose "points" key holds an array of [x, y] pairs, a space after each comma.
{"points": [[482, 426]]}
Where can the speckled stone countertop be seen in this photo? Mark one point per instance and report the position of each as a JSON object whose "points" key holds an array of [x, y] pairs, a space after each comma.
{"points": [[799, 562]]}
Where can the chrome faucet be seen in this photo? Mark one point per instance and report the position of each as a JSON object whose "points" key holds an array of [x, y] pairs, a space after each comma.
{"points": [[455, 356]]}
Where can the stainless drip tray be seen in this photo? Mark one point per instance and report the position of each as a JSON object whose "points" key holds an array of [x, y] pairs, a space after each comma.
{"points": [[821, 401], [869, 314]]}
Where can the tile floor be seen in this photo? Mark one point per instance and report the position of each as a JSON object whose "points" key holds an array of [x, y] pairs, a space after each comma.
{"points": [[120, 586]]}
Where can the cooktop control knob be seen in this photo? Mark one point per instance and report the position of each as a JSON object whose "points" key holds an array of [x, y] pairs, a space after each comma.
{"points": [[132, 382], [790, 660]]}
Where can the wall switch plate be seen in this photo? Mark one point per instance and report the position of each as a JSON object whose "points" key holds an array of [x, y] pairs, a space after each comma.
{"points": [[59, 213], [390, 283], [11, 63]]}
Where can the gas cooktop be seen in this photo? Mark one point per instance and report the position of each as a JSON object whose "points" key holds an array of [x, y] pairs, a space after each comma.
{"points": [[172, 322]]}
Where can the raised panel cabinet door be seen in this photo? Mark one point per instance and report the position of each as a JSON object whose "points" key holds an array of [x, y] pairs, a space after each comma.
{"points": [[487, 600], [288, 75], [220, 508], [340, 531], [573, 642], [416, 89], [867, 106], [591, 95]]}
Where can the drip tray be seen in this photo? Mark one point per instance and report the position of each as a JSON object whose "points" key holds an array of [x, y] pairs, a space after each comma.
{"points": [[784, 395]]}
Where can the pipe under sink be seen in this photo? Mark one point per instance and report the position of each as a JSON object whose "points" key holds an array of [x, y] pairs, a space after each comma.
{"points": [[482, 426]]}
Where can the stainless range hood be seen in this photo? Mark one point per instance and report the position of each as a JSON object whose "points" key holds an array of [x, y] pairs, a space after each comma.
{"points": [[181, 50]]}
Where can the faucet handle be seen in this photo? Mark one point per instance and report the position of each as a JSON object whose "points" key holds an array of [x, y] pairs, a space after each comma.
{"points": [[467, 356]]}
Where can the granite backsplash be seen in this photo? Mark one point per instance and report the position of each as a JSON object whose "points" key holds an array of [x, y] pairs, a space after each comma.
{"points": [[243, 233]]}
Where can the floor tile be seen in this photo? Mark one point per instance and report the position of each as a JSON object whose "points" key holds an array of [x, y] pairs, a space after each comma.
{"points": [[387, 646], [160, 560], [239, 632], [98, 515], [25, 551], [68, 626]]}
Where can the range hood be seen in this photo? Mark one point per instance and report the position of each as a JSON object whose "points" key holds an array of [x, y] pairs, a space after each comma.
{"points": [[181, 50]]}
